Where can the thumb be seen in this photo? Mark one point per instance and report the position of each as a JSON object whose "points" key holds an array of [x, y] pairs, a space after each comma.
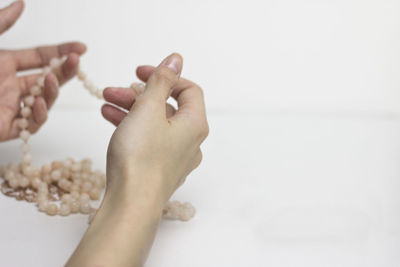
{"points": [[10, 14], [163, 79]]}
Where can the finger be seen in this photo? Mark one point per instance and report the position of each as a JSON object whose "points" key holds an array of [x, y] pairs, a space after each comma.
{"points": [[65, 72], [50, 90], [170, 111], [112, 114], [188, 94], [144, 72], [10, 14], [122, 97], [41, 56], [39, 114], [162, 80]]}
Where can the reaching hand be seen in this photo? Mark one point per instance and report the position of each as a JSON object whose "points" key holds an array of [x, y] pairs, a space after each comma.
{"points": [[14, 87]]}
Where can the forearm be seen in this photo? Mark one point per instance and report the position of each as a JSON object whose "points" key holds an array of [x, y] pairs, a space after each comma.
{"points": [[122, 232]]}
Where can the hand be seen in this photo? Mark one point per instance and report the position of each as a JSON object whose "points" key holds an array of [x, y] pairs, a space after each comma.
{"points": [[150, 153], [13, 87], [154, 144]]}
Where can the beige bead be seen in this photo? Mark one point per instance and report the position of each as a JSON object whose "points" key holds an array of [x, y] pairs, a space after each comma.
{"points": [[29, 100], [66, 173], [24, 181], [26, 112], [81, 75], [66, 199], [36, 182], [46, 71], [99, 94], [57, 164], [28, 170], [40, 81], [75, 188], [27, 158], [47, 178], [13, 183], [75, 194], [24, 135], [23, 123], [65, 210], [85, 207], [52, 209], [75, 206], [25, 148], [56, 175], [43, 188], [76, 167], [94, 193], [35, 90], [9, 175], [42, 205], [41, 198], [86, 187], [84, 197], [55, 62], [46, 169]]}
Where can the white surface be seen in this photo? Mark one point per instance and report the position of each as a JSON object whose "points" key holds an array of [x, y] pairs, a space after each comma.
{"points": [[302, 164], [287, 54], [274, 189]]}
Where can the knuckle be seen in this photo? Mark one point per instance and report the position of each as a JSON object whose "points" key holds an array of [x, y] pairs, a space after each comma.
{"points": [[203, 130]]}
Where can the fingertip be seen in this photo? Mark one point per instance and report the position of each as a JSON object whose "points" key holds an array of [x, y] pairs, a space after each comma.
{"points": [[144, 72], [112, 114]]}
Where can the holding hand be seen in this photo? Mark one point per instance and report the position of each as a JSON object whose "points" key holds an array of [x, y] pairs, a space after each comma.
{"points": [[153, 138], [13, 87]]}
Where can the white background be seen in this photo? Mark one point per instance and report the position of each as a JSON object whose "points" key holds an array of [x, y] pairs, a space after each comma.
{"points": [[301, 167]]}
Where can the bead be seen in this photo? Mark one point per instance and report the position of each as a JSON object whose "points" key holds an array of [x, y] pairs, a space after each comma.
{"points": [[24, 181], [75, 188], [13, 183], [41, 80], [99, 94], [75, 206], [66, 199], [75, 194], [27, 158], [26, 112], [36, 182], [65, 210], [42, 205], [29, 100], [25, 148], [57, 164], [24, 135], [52, 209], [85, 207], [23, 123], [84, 198], [28, 170], [89, 86], [9, 175], [47, 178], [56, 175], [46, 71], [55, 63], [35, 90], [46, 169], [94, 194], [138, 87], [86, 187], [76, 167], [43, 188], [81, 75], [41, 197]]}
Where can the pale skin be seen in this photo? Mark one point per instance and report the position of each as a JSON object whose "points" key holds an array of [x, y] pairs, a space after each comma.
{"points": [[152, 151]]}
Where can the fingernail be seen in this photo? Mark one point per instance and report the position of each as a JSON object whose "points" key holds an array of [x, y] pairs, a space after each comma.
{"points": [[174, 63]]}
